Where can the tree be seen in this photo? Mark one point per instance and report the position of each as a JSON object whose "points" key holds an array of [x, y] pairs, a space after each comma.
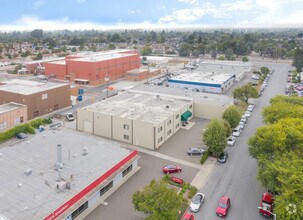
{"points": [[157, 200], [232, 115], [296, 100], [244, 59], [111, 47], [229, 53], [227, 128], [264, 70], [146, 50], [37, 33], [221, 58], [279, 110], [214, 137], [38, 57], [298, 59], [245, 92]]}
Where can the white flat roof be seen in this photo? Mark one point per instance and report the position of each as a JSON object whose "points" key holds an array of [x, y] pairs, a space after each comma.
{"points": [[59, 62], [203, 77], [102, 57], [141, 105], [27, 87], [10, 107], [198, 97], [229, 67], [35, 196]]}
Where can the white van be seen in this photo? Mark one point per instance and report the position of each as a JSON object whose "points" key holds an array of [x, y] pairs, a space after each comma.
{"points": [[237, 131]]}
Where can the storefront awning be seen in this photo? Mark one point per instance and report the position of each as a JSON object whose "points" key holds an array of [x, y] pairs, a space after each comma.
{"points": [[186, 115]]}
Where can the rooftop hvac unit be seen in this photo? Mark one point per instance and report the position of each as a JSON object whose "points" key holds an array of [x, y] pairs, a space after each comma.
{"points": [[28, 171], [61, 185]]}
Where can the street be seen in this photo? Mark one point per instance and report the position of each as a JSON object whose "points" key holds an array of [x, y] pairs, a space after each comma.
{"points": [[237, 177]]}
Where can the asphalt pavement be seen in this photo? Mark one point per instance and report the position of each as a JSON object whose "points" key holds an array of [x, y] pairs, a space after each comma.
{"points": [[237, 177]]}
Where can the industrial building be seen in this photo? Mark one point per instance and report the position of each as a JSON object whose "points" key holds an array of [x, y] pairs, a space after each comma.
{"points": [[12, 114], [141, 74], [61, 174], [206, 105], [203, 82], [40, 97], [94, 68], [211, 76], [141, 118]]}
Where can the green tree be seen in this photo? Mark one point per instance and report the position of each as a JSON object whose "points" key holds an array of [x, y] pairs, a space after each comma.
{"points": [[37, 33], [296, 100], [39, 56], [157, 200], [279, 110], [146, 50], [111, 47], [298, 59], [232, 115], [245, 92], [227, 128], [264, 70], [229, 53], [221, 58], [244, 59], [214, 136]]}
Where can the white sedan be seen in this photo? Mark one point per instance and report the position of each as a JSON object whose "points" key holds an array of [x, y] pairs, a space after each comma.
{"points": [[247, 114], [197, 202], [231, 140]]}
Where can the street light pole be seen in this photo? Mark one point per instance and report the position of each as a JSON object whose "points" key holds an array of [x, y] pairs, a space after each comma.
{"points": [[106, 79]]}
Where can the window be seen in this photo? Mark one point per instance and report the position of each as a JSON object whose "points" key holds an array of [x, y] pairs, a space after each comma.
{"points": [[126, 127], [159, 129], [168, 133], [160, 139], [80, 210], [106, 188], [36, 114], [127, 170], [169, 122], [190, 106], [177, 116], [126, 137], [177, 125]]}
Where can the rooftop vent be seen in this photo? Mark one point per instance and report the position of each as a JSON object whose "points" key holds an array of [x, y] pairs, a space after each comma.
{"points": [[59, 163], [84, 151], [28, 171]]}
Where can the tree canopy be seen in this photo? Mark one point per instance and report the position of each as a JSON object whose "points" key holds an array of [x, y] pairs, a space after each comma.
{"points": [[245, 92], [232, 115], [214, 136], [157, 200]]}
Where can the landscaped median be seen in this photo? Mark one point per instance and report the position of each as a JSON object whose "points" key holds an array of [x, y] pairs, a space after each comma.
{"points": [[24, 128]]}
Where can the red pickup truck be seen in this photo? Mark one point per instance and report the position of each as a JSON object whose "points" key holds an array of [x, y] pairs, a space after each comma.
{"points": [[266, 205]]}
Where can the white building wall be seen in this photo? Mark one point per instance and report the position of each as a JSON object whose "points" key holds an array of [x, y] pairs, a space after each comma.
{"points": [[159, 137], [84, 120], [103, 125], [122, 129], [169, 127], [143, 134]]}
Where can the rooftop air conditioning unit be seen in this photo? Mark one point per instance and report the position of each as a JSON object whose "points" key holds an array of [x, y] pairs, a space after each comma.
{"points": [[62, 185]]}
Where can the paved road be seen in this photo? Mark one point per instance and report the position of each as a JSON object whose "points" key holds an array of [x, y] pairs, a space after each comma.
{"points": [[237, 178]]}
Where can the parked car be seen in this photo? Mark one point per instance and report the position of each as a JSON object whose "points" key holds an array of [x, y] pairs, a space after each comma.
{"points": [[21, 135], [188, 216], [223, 157], [171, 169], [70, 116], [241, 124], [223, 206], [196, 202], [266, 205], [195, 151], [236, 131], [250, 107], [231, 140], [243, 118], [247, 114], [177, 180]]}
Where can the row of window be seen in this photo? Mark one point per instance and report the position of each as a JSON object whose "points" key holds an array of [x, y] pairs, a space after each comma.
{"points": [[101, 192]]}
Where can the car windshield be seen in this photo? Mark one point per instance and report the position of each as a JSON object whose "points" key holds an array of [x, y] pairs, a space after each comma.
{"points": [[170, 167], [196, 199], [222, 156], [222, 205]]}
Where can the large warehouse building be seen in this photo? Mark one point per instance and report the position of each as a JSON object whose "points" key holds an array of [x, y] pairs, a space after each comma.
{"points": [[40, 97], [94, 68], [67, 180], [140, 118], [212, 76], [206, 105]]}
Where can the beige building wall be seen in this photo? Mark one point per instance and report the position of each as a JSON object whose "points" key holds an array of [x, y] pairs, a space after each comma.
{"points": [[209, 111], [122, 129], [169, 127], [85, 120], [103, 125], [177, 121], [14, 117], [144, 134], [159, 137]]}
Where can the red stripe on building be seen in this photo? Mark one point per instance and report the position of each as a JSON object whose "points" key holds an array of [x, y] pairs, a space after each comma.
{"points": [[90, 187]]}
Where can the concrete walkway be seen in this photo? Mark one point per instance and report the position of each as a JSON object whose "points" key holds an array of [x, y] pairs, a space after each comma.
{"points": [[201, 177]]}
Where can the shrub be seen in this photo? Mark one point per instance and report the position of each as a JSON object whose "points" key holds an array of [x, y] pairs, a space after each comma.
{"points": [[204, 157], [192, 191]]}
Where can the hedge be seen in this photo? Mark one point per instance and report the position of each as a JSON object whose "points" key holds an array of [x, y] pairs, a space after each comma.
{"points": [[204, 157], [24, 128]]}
